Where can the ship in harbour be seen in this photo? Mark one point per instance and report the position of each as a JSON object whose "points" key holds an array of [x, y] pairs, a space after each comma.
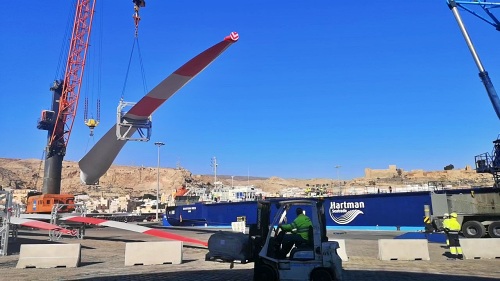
{"points": [[382, 211], [358, 208]]}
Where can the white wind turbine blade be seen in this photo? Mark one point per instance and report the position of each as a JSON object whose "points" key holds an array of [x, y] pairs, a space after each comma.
{"points": [[98, 160]]}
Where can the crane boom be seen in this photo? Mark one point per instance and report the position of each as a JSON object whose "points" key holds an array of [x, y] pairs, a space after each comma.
{"points": [[483, 74], [72, 82], [485, 162]]}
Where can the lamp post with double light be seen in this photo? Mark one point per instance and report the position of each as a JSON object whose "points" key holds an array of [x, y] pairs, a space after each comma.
{"points": [[338, 177], [158, 144]]}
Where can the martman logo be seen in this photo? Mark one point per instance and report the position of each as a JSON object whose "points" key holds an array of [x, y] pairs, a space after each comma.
{"points": [[345, 212]]}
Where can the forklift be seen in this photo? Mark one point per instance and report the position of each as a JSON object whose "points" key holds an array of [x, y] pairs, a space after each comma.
{"points": [[315, 260]]}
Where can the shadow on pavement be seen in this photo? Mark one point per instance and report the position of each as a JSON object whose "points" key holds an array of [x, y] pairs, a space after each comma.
{"points": [[205, 275], [111, 238], [89, 263], [247, 274], [195, 247], [407, 276], [197, 229]]}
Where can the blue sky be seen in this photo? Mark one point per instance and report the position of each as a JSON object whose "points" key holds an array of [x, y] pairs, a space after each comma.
{"points": [[310, 84]]}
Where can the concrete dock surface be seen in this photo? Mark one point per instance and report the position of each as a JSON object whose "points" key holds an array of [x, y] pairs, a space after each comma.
{"points": [[103, 257]]}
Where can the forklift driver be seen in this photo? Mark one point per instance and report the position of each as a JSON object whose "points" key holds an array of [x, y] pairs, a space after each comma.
{"points": [[300, 232]]}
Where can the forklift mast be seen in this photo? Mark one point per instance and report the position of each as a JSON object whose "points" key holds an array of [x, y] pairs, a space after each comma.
{"points": [[263, 217], [322, 217], [258, 232]]}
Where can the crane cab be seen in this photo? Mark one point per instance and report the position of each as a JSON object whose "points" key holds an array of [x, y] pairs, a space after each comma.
{"points": [[43, 204], [47, 120]]}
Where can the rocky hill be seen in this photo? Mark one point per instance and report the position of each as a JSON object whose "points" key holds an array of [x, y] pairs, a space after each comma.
{"points": [[135, 181]]}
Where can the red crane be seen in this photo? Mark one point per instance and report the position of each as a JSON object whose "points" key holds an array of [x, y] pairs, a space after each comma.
{"points": [[66, 93], [59, 120]]}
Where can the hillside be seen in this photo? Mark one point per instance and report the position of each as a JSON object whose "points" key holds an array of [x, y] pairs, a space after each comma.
{"points": [[133, 180]]}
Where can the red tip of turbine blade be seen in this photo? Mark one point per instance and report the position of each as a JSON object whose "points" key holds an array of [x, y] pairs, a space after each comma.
{"points": [[232, 37]]}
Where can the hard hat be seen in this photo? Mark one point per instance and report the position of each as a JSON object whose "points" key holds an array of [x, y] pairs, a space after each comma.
{"points": [[446, 215], [453, 215]]}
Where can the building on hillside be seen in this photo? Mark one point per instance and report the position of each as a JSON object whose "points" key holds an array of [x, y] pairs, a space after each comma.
{"points": [[120, 205], [393, 172], [100, 205], [381, 173], [19, 196]]}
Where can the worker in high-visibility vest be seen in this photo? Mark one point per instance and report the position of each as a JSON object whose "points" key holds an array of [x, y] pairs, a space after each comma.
{"points": [[453, 227], [446, 219]]}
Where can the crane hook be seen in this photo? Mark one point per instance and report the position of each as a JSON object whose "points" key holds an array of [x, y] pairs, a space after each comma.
{"points": [[137, 5]]}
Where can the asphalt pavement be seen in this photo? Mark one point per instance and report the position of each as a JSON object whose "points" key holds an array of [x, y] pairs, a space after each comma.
{"points": [[103, 257]]}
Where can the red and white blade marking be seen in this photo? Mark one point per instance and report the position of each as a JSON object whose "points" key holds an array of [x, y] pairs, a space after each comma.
{"points": [[134, 228], [98, 160], [40, 225]]}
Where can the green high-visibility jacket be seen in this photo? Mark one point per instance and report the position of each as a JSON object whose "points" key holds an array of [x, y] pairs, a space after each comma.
{"points": [[301, 224]]}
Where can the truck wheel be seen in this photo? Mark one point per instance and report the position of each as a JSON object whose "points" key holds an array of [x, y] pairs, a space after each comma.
{"points": [[494, 229], [265, 272], [321, 274], [473, 229]]}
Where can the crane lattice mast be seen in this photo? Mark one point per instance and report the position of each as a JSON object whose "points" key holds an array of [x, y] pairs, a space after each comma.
{"points": [[68, 103]]}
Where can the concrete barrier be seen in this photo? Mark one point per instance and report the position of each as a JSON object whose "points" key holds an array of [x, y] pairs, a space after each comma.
{"points": [[148, 253], [342, 252], [403, 249], [481, 248], [49, 255]]}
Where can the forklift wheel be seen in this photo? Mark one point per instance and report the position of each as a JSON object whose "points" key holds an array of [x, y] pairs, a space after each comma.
{"points": [[321, 274], [265, 272]]}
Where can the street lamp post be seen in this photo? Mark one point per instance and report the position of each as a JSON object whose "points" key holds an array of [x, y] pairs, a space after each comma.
{"points": [[338, 177], [214, 165], [158, 144]]}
